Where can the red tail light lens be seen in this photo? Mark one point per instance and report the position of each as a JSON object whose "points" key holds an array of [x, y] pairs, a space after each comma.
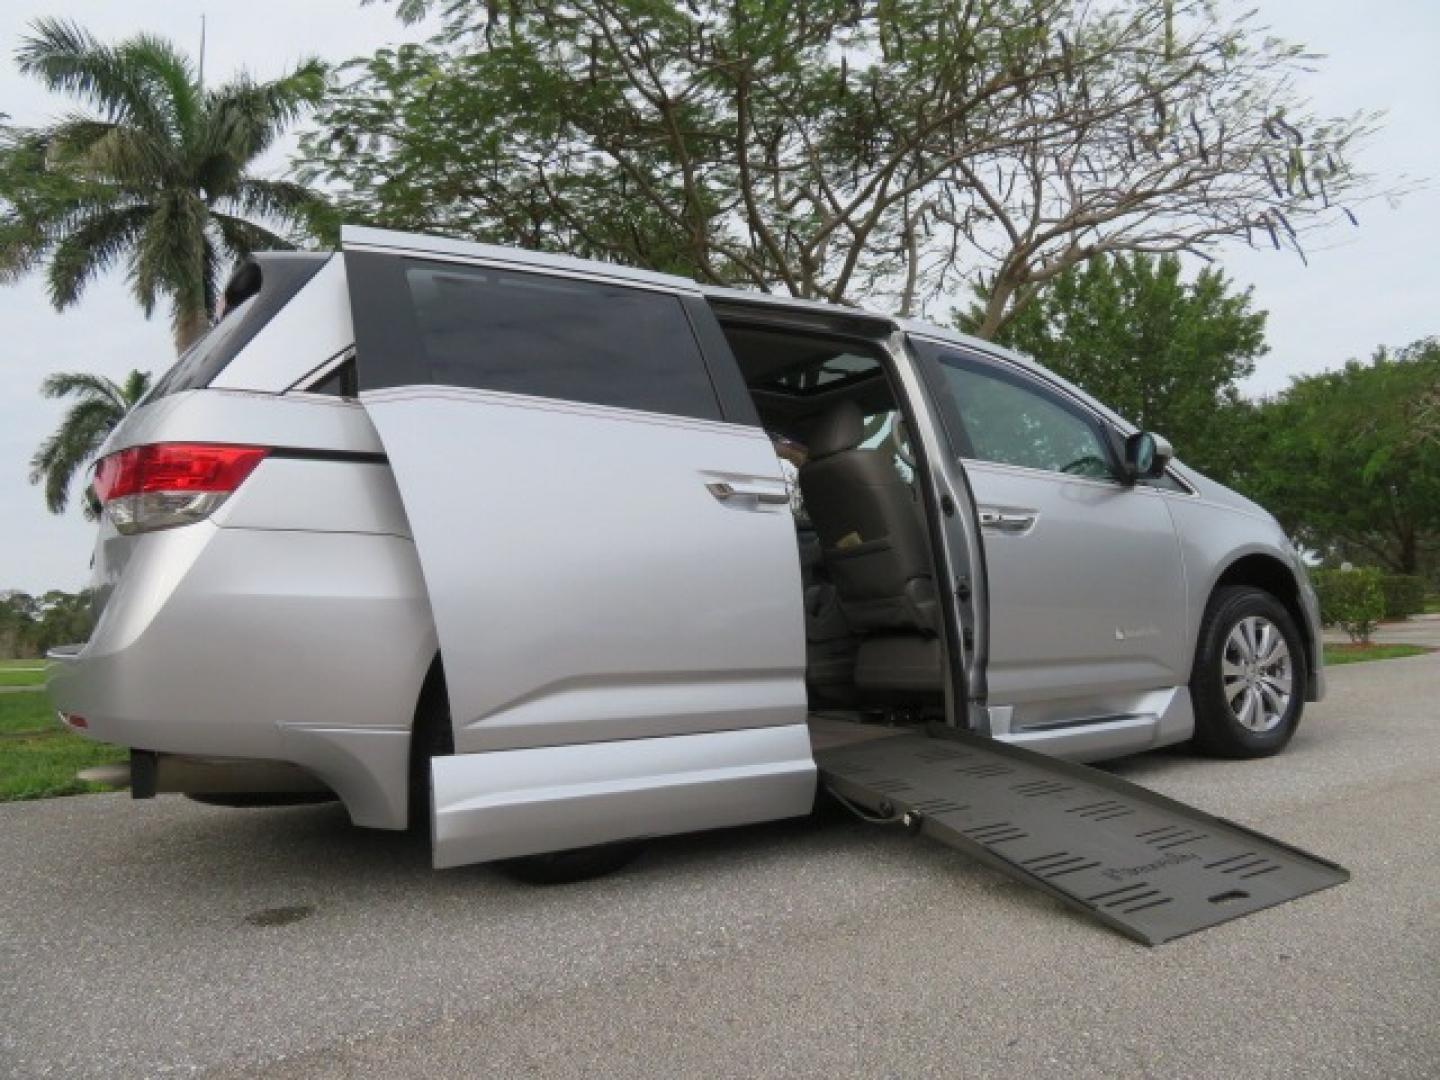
{"points": [[175, 467], [166, 484]]}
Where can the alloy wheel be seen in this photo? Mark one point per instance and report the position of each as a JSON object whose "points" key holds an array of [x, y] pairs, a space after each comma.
{"points": [[1257, 674]]}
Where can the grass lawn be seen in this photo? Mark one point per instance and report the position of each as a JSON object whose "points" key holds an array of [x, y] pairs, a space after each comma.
{"points": [[26, 712], [19, 676], [39, 758], [1353, 654]]}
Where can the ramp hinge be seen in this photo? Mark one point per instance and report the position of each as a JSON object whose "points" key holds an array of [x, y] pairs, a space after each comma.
{"points": [[962, 590]]}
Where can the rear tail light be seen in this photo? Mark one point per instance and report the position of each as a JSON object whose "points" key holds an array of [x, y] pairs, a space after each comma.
{"points": [[169, 484]]}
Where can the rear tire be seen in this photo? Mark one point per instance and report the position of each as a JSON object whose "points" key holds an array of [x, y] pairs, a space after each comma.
{"points": [[1248, 682], [568, 867], [247, 799], [432, 736]]}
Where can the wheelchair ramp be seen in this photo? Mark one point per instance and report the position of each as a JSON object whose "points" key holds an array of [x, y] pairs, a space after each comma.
{"points": [[1147, 866]]}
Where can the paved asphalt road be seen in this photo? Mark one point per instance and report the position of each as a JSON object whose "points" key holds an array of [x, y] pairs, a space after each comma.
{"points": [[801, 949]]}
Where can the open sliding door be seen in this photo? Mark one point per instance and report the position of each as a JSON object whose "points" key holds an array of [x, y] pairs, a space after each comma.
{"points": [[608, 550]]}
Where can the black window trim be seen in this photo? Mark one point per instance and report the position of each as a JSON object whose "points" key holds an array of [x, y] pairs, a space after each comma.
{"points": [[726, 378], [321, 372], [400, 258]]}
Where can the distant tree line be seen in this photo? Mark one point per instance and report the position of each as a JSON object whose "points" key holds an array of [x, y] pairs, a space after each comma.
{"points": [[29, 625]]}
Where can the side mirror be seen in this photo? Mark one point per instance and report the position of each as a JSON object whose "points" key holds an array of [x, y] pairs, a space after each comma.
{"points": [[1146, 455]]}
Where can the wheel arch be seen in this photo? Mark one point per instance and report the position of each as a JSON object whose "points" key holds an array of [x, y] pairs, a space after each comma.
{"points": [[431, 735], [1260, 570]]}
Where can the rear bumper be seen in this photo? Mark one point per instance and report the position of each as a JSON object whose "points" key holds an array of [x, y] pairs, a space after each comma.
{"points": [[299, 647]]}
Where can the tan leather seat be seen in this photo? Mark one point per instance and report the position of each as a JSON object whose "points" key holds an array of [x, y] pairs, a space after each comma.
{"points": [[871, 529]]}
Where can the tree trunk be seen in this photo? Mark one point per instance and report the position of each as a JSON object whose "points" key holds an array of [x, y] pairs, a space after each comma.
{"points": [[995, 305], [190, 326], [1409, 551]]}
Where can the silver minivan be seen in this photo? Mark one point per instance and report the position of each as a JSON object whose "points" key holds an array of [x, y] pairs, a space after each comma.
{"points": [[547, 554]]}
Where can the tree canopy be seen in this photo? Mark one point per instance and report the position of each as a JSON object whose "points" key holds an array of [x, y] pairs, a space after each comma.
{"points": [[29, 625], [837, 149], [1165, 353], [155, 174], [1347, 462]]}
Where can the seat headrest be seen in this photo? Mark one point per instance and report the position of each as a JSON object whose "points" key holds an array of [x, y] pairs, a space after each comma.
{"points": [[839, 428]]}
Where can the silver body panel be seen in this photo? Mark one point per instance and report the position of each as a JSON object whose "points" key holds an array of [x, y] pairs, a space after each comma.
{"points": [[263, 642], [519, 802], [599, 591], [570, 564], [1094, 592]]}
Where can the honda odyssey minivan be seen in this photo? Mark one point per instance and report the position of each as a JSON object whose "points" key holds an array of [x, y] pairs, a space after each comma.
{"points": [[499, 544]]}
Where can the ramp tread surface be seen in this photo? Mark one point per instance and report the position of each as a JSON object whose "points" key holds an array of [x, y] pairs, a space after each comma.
{"points": [[1145, 865]]}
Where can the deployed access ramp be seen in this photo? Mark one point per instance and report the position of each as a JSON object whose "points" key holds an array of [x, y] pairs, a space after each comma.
{"points": [[1145, 865]]}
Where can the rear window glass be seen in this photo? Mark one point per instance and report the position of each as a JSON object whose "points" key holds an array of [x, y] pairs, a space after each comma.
{"points": [[420, 322], [256, 292]]}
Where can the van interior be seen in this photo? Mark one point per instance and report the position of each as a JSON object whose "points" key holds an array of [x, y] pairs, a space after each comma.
{"points": [[874, 646]]}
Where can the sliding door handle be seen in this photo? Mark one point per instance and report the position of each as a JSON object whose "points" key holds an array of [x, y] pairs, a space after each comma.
{"points": [[728, 492], [1009, 521]]}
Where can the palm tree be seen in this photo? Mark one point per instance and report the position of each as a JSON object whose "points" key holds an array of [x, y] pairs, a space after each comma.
{"points": [[101, 404], [158, 178]]}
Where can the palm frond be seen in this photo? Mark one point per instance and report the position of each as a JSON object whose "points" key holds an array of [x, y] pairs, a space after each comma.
{"points": [[245, 117], [135, 387], [173, 80], [111, 153], [71, 448], [68, 59], [33, 200], [84, 385], [169, 255], [243, 237], [282, 201], [89, 250]]}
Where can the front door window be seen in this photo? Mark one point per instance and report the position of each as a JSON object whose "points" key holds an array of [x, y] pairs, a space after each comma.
{"points": [[1010, 420]]}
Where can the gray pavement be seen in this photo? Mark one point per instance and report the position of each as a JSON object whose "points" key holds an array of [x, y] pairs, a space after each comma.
{"points": [[129, 942]]}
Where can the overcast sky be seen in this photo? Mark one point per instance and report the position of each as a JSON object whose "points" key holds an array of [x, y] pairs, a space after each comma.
{"points": [[1376, 284]]}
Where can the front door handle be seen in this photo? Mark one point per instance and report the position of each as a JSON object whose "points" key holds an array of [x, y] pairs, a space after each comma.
{"points": [[1008, 521], [728, 492]]}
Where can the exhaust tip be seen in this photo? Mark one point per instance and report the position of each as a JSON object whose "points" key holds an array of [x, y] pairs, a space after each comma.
{"points": [[109, 775]]}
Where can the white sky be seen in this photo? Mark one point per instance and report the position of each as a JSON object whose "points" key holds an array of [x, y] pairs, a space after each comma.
{"points": [[1377, 284]]}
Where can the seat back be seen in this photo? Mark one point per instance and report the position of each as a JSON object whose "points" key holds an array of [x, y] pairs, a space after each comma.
{"points": [[870, 527]]}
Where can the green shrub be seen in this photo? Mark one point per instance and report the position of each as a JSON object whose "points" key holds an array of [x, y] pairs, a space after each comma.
{"points": [[1404, 595], [1353, 600]]}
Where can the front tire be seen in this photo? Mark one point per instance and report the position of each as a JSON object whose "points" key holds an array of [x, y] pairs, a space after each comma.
{"points": [[1248, 682]]}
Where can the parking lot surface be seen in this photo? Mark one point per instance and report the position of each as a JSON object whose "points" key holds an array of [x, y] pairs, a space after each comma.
{"points": [[167, 938]]}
